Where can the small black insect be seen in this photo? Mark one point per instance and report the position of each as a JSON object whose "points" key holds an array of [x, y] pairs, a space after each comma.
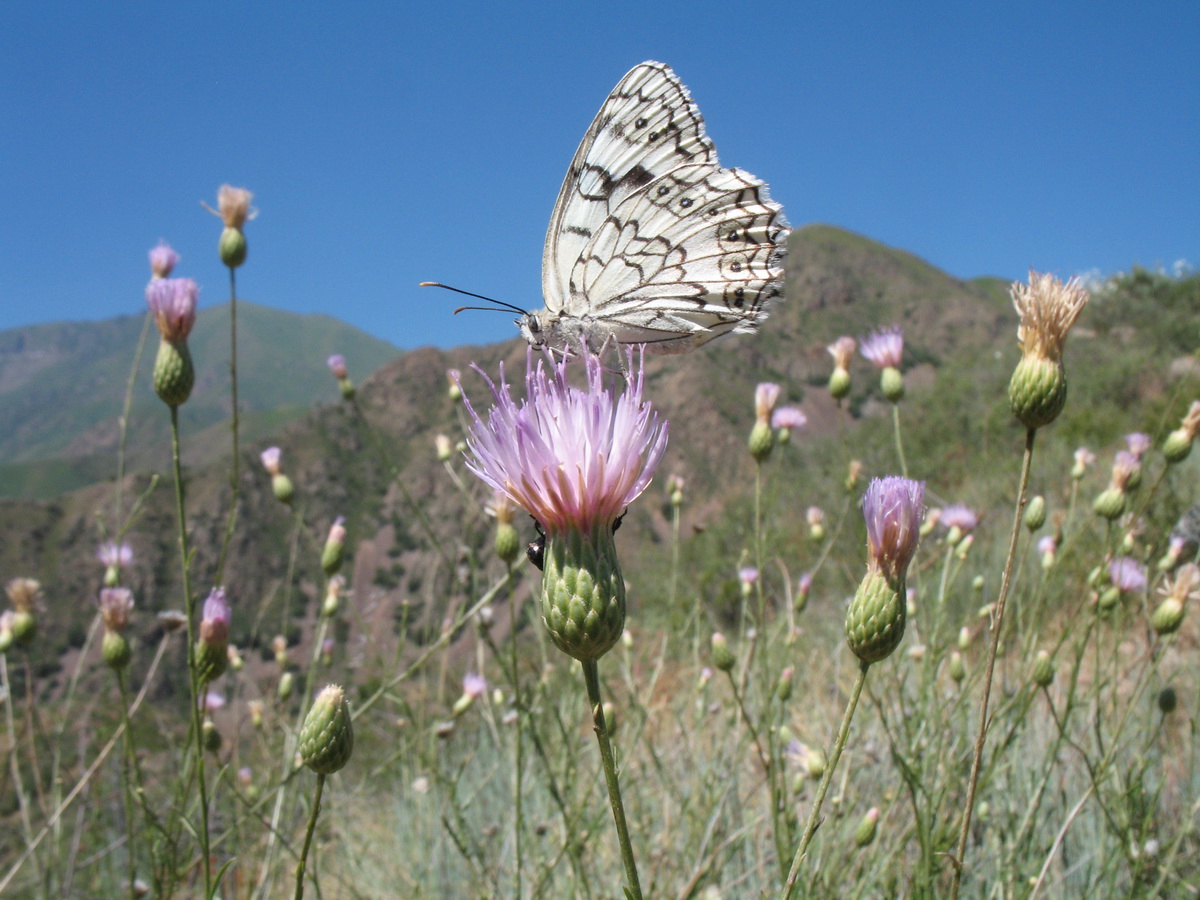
{"points": [[536, 549]]}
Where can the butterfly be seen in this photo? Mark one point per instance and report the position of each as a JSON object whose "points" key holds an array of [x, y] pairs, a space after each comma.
{"points": [[651, 241]]}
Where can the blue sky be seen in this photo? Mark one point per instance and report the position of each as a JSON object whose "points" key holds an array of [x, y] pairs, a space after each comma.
{"points": [[391, 143]]}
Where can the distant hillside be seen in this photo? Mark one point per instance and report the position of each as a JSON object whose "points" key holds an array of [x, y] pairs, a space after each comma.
{"points": [[62, 387]]}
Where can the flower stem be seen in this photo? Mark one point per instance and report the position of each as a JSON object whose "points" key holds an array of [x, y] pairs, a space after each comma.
{"points": [[231, 523], [997, 626], [899, 443], [308, 834], [190, 608], [814, 817], [591, 675]]}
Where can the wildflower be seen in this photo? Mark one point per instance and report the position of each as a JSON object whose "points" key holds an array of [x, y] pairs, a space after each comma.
{"points": [[892, 508], [455, 391], [474, 687], [865, 833], [785, 420], [1127, 574], [114, 557], [211, 702], [25, 595], [327, 736], [337, 365], [885, 348], [212, 646], [279, 648], [748, 576], [281, 485], [842, 350], [333, 594], [1048, 548], [959, 520], [335, 544], [762, 438], [1185, 586], [1047, 308], [256, 708], [1083, 460], [1035, 513], [443, 446], [675, 485], [235, 658], [1043, 669], [233, 206], [722, 656], [162, 260], [816, 522], [115, 606], [853, 473], [171, 620], [783, 687], [1137, 444], [173, 304], [574, 459], [1111, 502], [958, 668], [803, 589], [1178, 443]]}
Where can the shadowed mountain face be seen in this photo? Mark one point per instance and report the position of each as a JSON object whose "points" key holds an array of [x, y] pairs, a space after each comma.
{"points": [[838, 283], [63, 385]]}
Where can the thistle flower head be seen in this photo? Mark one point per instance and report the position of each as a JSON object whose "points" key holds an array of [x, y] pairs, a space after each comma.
{"points": [[1124, 465], [271, 459], [814, 515], [162, 260], [173, 303], [337, 365], [110, 553], [212, 656], [884, 348], [116, 604], [1190, 424], [1047, 545], [766, 395], [1184, 586], [1137, 444], [788, 418], [572, 458], [748, 575], [1083, 460], [842, 351], [960, 516], [892, 508], [212, 701], [24, 594], [233, 206], [1127, 574], [474, 685], [1047, 308]]}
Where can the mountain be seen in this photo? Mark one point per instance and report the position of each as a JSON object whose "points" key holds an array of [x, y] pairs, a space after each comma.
{"points": [[63, 385]]}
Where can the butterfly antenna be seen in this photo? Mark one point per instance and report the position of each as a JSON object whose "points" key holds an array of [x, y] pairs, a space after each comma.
{"points": [[501, 306]]}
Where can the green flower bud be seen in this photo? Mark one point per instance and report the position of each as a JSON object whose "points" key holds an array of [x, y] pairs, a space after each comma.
{"points": [[839, 384], [1043, 669], [762, 441], [865, 833], [286, 683], [1035, 513], [892, 384], [210, 738], [232, 247], [876, 618], [507, 543], [1167, 701], [1109, 598], [1037, 391], [722, 656], [958, 669], [1177, 446], [1168, 617], [211, 660], [583, 593], [174, 375], [610, 718], [783, 689], [281, 487], [346, 386], [1110, 503], [115, 650], [327, 736], [112, 576]]}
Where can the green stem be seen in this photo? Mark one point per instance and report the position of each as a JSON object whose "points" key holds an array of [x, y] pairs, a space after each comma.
{"points": [[127, 782], [193, 682], [231, 523], [899, 443], [591, 675], [518, 705], [997, 627], [814, 817], [312, 826]]}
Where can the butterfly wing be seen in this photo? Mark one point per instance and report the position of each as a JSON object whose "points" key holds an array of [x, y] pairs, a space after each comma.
{"points": [[651, 241], [647, 127]]}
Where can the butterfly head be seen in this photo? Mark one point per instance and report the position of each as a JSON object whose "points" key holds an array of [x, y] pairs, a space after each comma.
{"points": [[534, 328]]}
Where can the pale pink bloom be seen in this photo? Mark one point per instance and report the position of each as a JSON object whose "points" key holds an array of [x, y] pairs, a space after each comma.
{"points": [[766, 395], [1124, 465], [1047, 546], [233, 206], [474, 686], [884, 348], [1137, 444], [1127, 574], [842, 351], [805, 584], [214, 618], [572, 458], [959, 516], [271, 459], [892, 508], [337, 365], [116, 604], [789, 417], [162, 260], [748, 575], [337, 531], [1185, 585], [244, 776], [115, 555], [815, 515], [212, 701], [173, 303]]}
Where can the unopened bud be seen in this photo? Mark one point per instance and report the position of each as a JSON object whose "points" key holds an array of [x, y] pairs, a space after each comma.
{"points": [[865, 833], [1035, 513], [722, 656], [1043, 669], [327, 736]]}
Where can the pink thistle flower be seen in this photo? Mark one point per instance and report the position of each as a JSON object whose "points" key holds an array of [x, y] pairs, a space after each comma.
{"points": [[474, 686], [173, 303], [766, 395], [572, 458], [337, 365], [212, 701], [959, 516], [233, 206], [112, 554], [884, 348], [842, 351], [1124, 465], [1137, 444], [214, 619], [748, 575], [271, 459], [1127, 574], [788, 418], [116, 603], [1047, 546], [893, 508], [162, 260]]}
